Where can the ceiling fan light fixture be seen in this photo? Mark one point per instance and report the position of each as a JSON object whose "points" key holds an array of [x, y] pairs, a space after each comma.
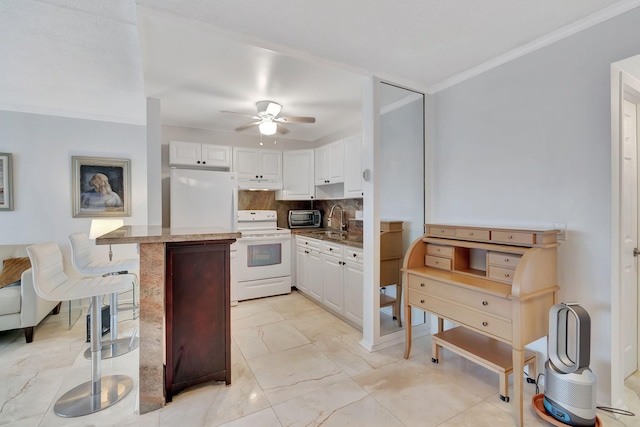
{"points": [[268, 128]]}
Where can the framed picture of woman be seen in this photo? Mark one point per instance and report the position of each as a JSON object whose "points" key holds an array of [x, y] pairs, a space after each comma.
{"points": [[101, 187], [6, 182]]}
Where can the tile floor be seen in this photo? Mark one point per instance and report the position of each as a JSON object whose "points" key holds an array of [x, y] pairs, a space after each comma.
{"points": [[294, 364]]}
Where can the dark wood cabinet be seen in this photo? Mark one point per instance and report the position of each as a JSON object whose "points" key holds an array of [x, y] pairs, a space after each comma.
{"points": [[198, 336]]}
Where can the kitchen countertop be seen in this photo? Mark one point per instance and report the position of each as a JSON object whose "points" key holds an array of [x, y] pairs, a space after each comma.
{"points": [[157, 234], [347, 238]]}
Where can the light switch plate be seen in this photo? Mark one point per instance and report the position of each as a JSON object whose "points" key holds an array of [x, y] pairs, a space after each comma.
{"points": [[562, 228]]}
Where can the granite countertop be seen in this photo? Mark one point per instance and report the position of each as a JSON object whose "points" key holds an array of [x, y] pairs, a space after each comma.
{"points": [[331, 235], [157, 234]]}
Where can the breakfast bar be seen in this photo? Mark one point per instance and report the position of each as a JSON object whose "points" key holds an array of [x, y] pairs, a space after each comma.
{"points": [[184, 307]]}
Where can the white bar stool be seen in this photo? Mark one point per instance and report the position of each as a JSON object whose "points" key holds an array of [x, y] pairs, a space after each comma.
{"points": [[83, 262], [50, 283]]}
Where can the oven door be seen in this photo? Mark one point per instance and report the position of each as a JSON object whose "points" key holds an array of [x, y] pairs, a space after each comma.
{"points": [[263, 257]]}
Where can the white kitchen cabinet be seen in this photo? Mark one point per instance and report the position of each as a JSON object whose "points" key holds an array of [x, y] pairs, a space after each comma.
{"points": [[183, 153], [353, 285], [309, 267], [297, 175], [353, 167], [333, 276], [258, 169], [329, 163]]}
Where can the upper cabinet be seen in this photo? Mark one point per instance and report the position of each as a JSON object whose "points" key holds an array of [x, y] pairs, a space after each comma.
{"points": [[258, 169], [297, 175], [329, 163], [194, 154], [353, 167]]}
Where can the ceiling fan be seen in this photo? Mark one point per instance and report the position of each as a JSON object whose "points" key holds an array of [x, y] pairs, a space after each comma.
{"points": [[268, 121]]}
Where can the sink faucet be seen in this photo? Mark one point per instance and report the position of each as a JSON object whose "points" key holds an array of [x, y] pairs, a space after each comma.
{"points": [[343, 227]]}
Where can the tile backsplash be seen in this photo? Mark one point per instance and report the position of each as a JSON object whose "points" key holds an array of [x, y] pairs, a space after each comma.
{"points": [[248, 200]]}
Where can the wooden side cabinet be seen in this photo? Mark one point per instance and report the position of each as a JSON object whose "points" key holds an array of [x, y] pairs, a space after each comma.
{"points": [[198, 335], [496, 284]]}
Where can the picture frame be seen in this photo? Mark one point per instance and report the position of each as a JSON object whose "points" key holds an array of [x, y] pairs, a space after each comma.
{"points": [[6, 182], [100, 187]]}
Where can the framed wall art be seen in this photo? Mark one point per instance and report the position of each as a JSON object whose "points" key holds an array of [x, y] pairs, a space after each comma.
{"points": [[6, 182], [100, 187]]}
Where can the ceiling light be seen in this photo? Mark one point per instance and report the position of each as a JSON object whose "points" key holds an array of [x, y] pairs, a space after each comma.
{"points": [[268, 128]]}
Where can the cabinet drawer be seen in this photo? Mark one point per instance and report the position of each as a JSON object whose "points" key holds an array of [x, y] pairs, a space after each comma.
{"points": [[308, 242], [500, 273], [477, 300], [354, 255], [480, 321], [503, 260], [437, 262], [334, 249], [439, 250], [442, 231], [513, 238], [470, 233]]}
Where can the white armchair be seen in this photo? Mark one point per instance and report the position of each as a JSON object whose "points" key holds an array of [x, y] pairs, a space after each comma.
{"points": [[20, 307]]}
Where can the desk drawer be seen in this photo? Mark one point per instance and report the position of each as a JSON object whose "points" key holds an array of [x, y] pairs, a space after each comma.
{"points": [[462, 315], [437, 262], [473, 299], [470, 233], [442, 231], [439, 250], [513, 238], [503, 260], [500, 273]]}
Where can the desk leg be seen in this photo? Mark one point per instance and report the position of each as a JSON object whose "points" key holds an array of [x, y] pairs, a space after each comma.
{"points": [[407, 330], [518, 369]]}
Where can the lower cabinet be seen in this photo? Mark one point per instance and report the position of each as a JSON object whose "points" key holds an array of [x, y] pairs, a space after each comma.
{"points": [[331, 274]]}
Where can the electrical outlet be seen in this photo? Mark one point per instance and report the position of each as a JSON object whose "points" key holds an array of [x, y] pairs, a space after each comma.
{"points": [[562, 228]]}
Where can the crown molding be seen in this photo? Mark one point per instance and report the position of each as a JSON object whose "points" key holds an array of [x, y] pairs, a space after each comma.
{"points": [[73, 114], [564, 32]]}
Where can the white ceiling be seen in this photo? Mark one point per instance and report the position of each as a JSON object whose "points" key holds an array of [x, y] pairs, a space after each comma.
{"points": [[85, 58]]}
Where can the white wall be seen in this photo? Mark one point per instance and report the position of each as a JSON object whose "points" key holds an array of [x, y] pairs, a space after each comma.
{"points": [[528, 144], [42, 147]]}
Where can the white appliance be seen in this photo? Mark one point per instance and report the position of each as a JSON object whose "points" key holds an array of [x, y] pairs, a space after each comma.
{"points": [[262, 263], [570, 386], [203, 198]]}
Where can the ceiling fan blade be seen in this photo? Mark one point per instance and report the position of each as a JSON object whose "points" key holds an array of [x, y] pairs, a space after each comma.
{"points": [[240, 114], [247, 126], [269, 108], [296, 119], [282, 130]]}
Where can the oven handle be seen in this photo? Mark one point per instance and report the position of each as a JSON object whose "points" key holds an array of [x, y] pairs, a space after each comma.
{"points": [[264, 237]]}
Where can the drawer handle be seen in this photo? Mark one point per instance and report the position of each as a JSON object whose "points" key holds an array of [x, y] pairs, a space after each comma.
{"points": [[509, 236], [484, 324], [422, 285], [421, 301], [471, 233], [507, 275], [438, 250], [442, 231], [507, 260], [330, 249], [485, 303], [355, 255]]}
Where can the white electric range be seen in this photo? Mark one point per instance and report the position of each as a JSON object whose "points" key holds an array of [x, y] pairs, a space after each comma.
{"points": [[261, 258]]}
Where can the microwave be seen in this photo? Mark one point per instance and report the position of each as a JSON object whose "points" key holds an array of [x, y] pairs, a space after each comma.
{"points": [[305, 218]]}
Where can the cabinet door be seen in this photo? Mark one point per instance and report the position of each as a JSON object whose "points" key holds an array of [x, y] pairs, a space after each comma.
{"points": [[353, 292], [313, 274], [301, 267], [246, 163], [332, 278], [336, 162], [270, 164], [217, 156], [185, 153], [353, 167], [321, 155], [297, 174]]}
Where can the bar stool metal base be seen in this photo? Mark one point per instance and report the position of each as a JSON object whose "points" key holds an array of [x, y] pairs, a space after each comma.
{"points": [[79, 401], [115, 348]]}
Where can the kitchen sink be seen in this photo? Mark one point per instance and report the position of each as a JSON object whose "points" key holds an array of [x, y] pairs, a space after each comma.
{"points": [[335, 235]]}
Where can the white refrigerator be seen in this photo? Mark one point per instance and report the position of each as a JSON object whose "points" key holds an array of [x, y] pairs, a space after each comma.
{"points": [[203, 198]]}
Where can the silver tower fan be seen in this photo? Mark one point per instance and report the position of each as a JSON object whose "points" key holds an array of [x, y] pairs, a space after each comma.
{"points": [[570, 386]]}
